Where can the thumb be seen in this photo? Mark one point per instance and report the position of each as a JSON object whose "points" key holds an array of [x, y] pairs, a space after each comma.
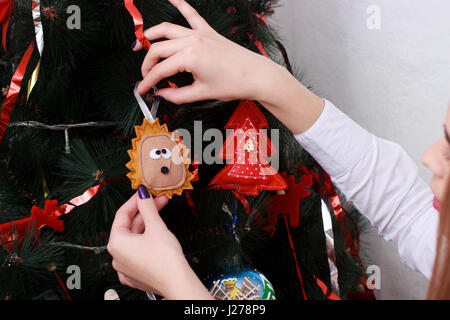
{"points": [[147, 209], [137, 46]]}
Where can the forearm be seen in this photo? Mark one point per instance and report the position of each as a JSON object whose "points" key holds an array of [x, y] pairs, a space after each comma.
{"points": [[186, 285], [382, 182], [288, 100]]}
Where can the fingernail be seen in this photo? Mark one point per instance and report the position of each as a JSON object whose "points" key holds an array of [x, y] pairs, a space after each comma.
{"points": [[159, 97], [133, 45], [143, 192]]}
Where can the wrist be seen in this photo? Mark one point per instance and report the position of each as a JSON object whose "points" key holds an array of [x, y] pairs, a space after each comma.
{"points": [[185, 285], [289, 100], [272, 91]]}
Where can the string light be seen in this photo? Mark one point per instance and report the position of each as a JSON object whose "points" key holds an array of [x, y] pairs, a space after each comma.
{"points": [[95, 250], [62, 127]]}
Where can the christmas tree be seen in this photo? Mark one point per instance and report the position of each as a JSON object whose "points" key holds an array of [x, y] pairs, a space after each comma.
{"points": [[67, 119]]}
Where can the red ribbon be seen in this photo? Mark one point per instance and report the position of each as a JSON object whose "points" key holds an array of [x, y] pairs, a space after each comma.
{"points": [[138, 23], [84, 198], [339, 211], [61, 284], [49, 216], [14, 90], [262, 18], [326, 291], [139, 29], [291, 243], [259, 45], [341, 214], [172, 85], [6, 8], [256, 42]]}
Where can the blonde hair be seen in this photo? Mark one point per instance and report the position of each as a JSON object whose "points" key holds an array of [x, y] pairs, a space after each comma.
{"points": [[439, 288]]}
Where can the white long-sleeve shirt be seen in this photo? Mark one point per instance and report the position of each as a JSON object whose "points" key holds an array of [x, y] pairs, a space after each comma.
{"points": [[380, 179]]}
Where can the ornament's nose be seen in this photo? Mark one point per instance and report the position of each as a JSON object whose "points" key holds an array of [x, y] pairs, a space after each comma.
{"points": [[165, 170]]}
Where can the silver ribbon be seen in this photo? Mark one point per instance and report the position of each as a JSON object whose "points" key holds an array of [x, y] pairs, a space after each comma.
{"points": [[329, 239], [38, 31], [149, 115]]}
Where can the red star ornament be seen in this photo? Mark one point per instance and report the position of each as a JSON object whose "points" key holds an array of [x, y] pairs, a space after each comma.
{"points": [[289, 202]]}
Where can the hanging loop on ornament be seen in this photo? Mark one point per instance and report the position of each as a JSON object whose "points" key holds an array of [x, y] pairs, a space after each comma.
{"points": [[149, 115]]}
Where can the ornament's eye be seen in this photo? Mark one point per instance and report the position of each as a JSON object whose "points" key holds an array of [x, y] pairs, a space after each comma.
{"points": [[166, 153], [155, 154]]}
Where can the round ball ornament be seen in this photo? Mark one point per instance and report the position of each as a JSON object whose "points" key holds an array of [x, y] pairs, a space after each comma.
{"points": [[248, 284]]}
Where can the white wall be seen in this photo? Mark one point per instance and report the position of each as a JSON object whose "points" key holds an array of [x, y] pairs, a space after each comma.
{"points": [[394, 81]]}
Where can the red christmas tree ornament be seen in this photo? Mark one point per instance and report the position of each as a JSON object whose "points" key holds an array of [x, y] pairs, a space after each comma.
{"points": [[289, 202], [247, 147]]}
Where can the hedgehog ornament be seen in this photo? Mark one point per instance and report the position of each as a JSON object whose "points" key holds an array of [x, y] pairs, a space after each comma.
{"points": [[159, 161]]}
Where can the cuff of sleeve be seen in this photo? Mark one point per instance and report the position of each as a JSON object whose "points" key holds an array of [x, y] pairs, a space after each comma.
{"points": [[335, 141]]}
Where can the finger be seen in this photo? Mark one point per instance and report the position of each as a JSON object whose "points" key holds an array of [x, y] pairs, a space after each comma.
{"points": [[149, 212], [161, 50], [165, 30], [137, 46], [138, 225], [125, 215], [125, 281], [182, 95], [161, 202], [190, 14], [169, 67], [115, 265]]}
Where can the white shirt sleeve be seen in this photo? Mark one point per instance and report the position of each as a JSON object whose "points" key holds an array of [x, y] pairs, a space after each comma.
{"points": [[380, 179]]}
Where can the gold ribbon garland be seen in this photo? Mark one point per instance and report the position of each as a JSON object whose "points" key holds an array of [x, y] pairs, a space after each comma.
{"points": [[39, 35]]}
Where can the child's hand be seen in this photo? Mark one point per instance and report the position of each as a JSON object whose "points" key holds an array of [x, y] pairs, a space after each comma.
{"points": [[222, 69], [146, 255]]}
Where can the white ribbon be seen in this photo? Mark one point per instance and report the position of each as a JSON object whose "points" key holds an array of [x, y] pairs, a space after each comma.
{"points": [[149, 115]]}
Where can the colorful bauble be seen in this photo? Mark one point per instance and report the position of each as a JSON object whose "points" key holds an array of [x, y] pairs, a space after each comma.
{"points": [[248, 284]]}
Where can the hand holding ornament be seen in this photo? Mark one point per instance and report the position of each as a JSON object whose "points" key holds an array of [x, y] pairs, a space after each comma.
{"points": [[223, 70], [146, 255]]}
